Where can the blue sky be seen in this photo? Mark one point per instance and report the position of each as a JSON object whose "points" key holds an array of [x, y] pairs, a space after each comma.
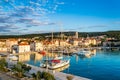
{"points": [[36, 16]]}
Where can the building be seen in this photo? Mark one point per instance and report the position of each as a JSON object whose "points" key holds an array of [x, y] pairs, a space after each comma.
{"points": [[89, 41], [111, 43], [75, 42], [3, 47], [22, 47], [39, 46], [32, 45], [76, 35], [10, 43]]}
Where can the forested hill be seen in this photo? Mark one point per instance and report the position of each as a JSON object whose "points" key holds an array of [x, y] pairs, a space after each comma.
{"points": [[115, 34]]}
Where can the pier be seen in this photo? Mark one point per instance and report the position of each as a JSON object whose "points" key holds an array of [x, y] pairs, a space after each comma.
{"points": [[58, 75]]}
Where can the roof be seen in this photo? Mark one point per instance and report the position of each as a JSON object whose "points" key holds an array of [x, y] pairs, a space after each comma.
{"points": [[23, 43]]}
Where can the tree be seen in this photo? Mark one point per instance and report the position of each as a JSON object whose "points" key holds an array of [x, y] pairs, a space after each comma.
{"points": [[34, 75], [3, 64], [38, 75], [48, 76], [26, 68], [18, 68]]}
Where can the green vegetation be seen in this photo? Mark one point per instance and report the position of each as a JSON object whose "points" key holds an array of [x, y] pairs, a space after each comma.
{"points": [[43, 75], [47, 76], [20, 69], [115, 34], [3, 65], [42, 36], [70, 77]]}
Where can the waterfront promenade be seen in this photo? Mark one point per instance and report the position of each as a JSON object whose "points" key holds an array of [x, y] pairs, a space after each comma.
{"points": [[58, 75], [4, 76]]}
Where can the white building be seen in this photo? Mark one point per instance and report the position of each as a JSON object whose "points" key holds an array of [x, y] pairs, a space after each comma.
{"points": [[10, 43], [21, 47], [39, 46], [3, 47]]}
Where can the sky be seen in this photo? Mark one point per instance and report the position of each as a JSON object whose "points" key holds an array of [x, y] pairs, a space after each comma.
{"points": [[40, 16]]}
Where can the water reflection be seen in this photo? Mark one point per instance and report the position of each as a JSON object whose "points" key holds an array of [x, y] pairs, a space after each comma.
{"points": [[112, 53], [36, 59], [91, 52], [60, 69], [27, 57]]}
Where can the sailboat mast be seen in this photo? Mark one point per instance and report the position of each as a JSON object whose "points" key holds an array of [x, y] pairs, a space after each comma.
{"points": [[61, 38], [52, 42]]}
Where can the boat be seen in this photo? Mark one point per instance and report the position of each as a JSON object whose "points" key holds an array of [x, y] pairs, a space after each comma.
{"points": [[58, 57], [54, 64], [61, 68], [12, 57], [85, 53]]}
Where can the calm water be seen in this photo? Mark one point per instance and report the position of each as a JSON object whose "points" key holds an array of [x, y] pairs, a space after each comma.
{"points": [[102, 66]]}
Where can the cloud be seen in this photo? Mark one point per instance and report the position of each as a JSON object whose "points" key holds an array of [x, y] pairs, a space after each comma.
{"points": [[7, 28], [1, 7], [38, 23], [25, 20], [5, 19], [55, 8], [117, 22], [18, 15], [60, 3], [96, 26], [33, 3]]}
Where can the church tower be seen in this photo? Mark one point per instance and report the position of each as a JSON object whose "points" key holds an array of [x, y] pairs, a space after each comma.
{"points": [[76, 35]]}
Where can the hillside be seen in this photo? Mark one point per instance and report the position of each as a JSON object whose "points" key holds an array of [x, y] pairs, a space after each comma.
{"points": [[115, 34]]}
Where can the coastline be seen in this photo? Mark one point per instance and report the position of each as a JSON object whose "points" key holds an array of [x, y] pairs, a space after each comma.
{"points": [[58, 75]]}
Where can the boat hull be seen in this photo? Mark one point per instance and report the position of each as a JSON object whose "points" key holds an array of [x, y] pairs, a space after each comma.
{"points": [[56, 66], [59, 65]]}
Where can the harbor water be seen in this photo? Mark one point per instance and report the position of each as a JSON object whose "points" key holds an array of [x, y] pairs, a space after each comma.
{"points": [[103, 65]]}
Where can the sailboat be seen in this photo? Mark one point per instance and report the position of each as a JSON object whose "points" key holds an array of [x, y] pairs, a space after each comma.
{"points": [[55, 63]]}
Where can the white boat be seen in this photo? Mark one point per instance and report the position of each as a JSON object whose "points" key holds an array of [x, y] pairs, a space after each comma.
{"points": [[58, 57], [85, 53], [55, 64], [12, 57]]}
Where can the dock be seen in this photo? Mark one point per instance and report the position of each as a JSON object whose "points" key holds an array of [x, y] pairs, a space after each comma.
{"points": [[58, 75]]}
